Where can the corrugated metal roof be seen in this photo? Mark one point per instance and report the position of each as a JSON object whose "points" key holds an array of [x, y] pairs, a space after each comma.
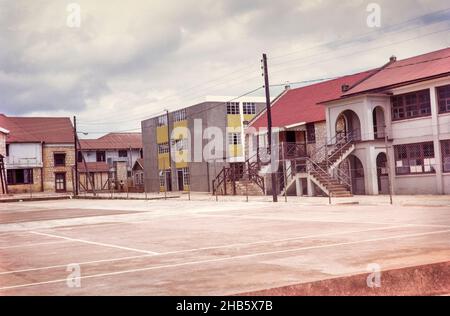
{"points": [[407, 70], [301, 105], [51, 130], [113, 141]]}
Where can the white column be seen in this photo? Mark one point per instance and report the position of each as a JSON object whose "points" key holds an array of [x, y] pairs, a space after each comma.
{"points": [[436, 142], [299, 186], [310, 187], [371, 172]]}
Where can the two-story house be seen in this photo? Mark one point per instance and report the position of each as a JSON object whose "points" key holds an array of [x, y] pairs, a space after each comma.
{"points": [[109, 160], [39, 154], [396, 127]]}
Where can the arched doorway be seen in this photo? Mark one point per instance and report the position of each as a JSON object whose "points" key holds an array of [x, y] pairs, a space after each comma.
{"points": [[357, 175], [382, 174], [348, 123], [379, 123]]}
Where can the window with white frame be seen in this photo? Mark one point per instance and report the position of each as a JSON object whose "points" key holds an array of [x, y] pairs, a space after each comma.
{"points": [[233, 108], [445, 145], [163, 148], [443, 94], [415, 158], [234, 138], [162, 120], [249, 108], [410, 105], [162, 179], [186, 176], [179, 116]]}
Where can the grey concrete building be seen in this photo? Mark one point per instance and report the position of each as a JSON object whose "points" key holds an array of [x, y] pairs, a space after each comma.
{"points": [[186, 149]]}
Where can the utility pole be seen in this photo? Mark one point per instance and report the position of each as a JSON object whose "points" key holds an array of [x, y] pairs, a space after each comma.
{"points": [[269, 123], [170, 145], [76, 153]]}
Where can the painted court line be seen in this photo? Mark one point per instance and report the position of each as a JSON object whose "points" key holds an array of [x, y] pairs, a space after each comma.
{"points": [[207, 248], [95, 243], [36, 244], [223, 259], [325, 220]]}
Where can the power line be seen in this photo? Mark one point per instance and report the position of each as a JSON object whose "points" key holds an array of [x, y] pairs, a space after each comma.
{"points": [[363, 34], [189, 90]]}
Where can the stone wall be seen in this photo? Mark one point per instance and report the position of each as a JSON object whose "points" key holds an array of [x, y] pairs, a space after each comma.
{"points": [[36, 186], [321, 138], [50, 169]]}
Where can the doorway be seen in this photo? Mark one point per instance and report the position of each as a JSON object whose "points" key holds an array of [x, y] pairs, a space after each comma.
{"points": [[60, 182], [291, 137], [169, 181], [382, 174], [180, 179]]}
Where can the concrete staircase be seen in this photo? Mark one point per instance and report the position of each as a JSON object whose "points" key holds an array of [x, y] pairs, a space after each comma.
{"points": [[248, 187], [329, 185]]}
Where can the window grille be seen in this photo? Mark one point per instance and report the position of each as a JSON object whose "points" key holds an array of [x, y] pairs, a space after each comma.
{"points": [[415, 158]]}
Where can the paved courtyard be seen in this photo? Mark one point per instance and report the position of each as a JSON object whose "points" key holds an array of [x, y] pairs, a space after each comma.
{"points": [[201, 247]]}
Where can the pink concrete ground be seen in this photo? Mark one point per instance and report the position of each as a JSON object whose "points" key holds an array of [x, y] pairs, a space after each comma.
{"points": [[180, 247]]}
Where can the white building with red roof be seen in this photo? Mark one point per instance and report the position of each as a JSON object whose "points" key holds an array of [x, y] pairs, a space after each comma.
{"points": [[405, 107], [375, 131]]}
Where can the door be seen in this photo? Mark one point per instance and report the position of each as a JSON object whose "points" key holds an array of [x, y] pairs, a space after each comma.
{"points": [[180, 180], [168, 181], [60, 182]]}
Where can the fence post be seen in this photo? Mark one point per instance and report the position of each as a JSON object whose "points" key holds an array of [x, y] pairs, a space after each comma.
{"points": [[224, 181], [284, 171], [326, 171]]}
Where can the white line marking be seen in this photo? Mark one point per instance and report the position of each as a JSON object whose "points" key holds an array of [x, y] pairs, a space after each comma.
{"points": [[214, 260], [225, 259], [315, 220], [208, 248], [95, 243], [36, 244]]}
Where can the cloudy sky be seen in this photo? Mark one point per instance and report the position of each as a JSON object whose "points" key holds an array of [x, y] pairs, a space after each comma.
{"points": [[129, 60]]}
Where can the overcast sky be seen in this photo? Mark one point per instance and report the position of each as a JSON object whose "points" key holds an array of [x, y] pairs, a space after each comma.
{"points": [[129, 60]]}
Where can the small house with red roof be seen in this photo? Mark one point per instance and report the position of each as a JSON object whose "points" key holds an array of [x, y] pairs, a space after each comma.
{"points": [[39, 153]]}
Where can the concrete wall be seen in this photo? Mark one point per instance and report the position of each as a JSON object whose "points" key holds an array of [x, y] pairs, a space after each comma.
{"points": [[151, 176], [200, 117], [36, 186]]}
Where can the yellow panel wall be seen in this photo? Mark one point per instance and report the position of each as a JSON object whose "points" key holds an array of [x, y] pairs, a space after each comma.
{"points": [[161, 134]]}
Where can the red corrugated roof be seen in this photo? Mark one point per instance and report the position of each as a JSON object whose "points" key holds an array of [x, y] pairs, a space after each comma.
{"points": [[93, 167], [407, 70], [113, 141], [302, 104], [51, 130], [139, 162]]}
